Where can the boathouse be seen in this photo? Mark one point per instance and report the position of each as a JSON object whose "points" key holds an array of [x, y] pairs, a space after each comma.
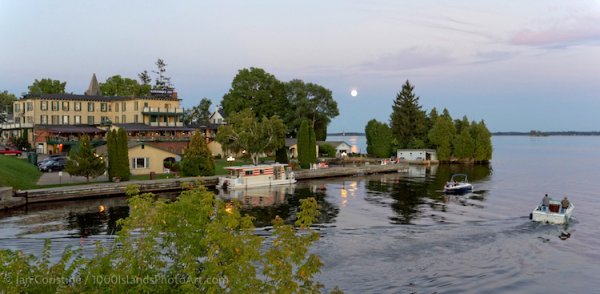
{"points": [[417, 155]]}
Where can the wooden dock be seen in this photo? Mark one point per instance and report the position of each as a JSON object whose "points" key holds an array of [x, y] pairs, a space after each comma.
{"points": [[177, 184]]}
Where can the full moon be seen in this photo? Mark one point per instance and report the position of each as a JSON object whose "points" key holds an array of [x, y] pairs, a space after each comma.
{"points": [[353, 93]]}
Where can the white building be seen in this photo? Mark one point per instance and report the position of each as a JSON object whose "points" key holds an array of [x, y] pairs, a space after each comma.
{"points": [[341, 148], [417, 154]]}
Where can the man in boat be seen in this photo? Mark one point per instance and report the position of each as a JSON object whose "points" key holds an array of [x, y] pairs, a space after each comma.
{"points": [[565, 204], [545, 202]]}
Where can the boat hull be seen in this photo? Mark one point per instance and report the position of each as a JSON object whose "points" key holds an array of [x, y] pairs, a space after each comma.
{"points": [[244, 183], [546, 216], [460, 189]]}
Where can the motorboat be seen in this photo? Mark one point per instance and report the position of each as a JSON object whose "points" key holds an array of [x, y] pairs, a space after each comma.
{"points": [[553, 214], [458, 184], [250, 176]]}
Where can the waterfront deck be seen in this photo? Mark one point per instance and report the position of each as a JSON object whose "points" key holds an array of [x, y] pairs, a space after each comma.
{"points": [[177, 184]]}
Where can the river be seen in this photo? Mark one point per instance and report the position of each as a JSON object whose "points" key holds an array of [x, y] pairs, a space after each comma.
{"points": [[394, 233]]}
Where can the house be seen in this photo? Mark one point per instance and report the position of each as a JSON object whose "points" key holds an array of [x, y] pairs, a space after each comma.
{"points": [[217, 117], [292, 147], [146, 157], [341, 148], [417, 155]]}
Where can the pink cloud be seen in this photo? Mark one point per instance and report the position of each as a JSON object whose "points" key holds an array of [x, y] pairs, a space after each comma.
{"points": [[582, 30]]}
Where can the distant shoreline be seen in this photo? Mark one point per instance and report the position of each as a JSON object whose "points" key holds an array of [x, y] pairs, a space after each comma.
{"points": [[535, 134]]}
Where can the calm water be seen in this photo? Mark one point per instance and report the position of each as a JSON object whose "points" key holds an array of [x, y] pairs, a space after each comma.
{"points": [[394, 233]]}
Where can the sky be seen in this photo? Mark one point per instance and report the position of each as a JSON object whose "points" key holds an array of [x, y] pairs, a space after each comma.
{"points": [[518, 65]]}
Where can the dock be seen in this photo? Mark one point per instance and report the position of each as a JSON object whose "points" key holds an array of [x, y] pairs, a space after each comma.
{"points": [[23, 197]]}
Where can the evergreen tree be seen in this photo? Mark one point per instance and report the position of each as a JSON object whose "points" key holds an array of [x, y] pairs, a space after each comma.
{"points": [[197, 159], [441, 136], [303, 144], [84, 162], [460, 124], [408, 121], [483, 142], [111, 146], [464, 144], [312, 144], [123, 155], [22, 142], [281, 155], [379, 139]]}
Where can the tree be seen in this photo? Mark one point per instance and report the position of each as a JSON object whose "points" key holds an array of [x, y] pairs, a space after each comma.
{"points": [[112, 149], [312, 102], [119, 86], [162, 82], [281, 155], [21, 142], [460, 124], [408, 121], [197, 159], [303, 143], [312, 145], [198, 114], [144, 77], [326, 150], [244, 132], [257, 90], [442, 134], [464, 145], [483, 142], [84, 162], [6, 105], [379, 139], [47, 86], [123, 155]]}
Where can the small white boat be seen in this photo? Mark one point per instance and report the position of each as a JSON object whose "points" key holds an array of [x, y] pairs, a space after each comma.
{"points": [[250, 176], [553, 214], [458, 184]]}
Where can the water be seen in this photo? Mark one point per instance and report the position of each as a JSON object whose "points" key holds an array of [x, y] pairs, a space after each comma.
{"points": [[397, 234]]}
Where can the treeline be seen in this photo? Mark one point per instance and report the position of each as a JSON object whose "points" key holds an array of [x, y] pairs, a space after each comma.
{"points": [[412, 128], [543, 134]]}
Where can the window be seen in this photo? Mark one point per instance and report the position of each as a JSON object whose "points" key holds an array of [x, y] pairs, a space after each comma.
{"points": [[145, 104], [55, 119], [90, 106], [65, 120], [90, 119], [44, 119], [109, 107], [44, 105], [77, 106], [78, 119], [116, 119], [30, 119], [54, 105], [140, 162], [135, 105], [103, 107], [248, 172], [123, 108], [65, 106], [105, 120], [29, 106], [123, 120], [117, 106], [135, 118], [17, 107], [17, 120]]}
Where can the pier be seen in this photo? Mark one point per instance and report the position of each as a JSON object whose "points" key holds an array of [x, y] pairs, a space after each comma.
{"points": [[23, 197]]}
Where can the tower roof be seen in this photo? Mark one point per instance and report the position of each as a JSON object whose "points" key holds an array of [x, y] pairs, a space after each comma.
{"points": [[94, 88]]}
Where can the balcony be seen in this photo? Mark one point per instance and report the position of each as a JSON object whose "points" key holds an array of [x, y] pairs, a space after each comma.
{"points": [[158, 110], [14, 126], [166, 124]]}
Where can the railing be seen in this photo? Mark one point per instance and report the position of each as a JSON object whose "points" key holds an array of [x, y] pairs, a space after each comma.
{"points": [[6, 126], [162, 110], [166, 124]]}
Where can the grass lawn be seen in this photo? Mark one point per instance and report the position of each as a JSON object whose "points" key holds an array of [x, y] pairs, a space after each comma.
{"points": [[16, 172]]}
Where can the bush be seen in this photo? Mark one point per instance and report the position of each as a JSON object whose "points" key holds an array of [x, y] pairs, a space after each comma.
{"points": [[326, 150]]}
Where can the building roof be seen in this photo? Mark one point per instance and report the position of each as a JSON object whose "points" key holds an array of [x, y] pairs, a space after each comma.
{"points": [[411, 150], [76, 97], [130, 144], [289, 142], [138, 127], [334, 144], [204, 126], [93, 88], [76, 129]]}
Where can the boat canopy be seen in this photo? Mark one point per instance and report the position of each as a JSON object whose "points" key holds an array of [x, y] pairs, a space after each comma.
{"points": [[463, 176], [253, 167]]}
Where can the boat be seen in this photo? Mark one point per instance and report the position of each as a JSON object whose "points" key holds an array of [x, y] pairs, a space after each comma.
{"points": [[250, 176], [458, 184], [553, 214]]}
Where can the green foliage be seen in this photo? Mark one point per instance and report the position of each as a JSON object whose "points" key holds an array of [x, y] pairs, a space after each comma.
{"points": [[119, 86], [312, 102], [197, 159], [6, 105], [303, 145], [312, 145], [112, 149], [244, 132], [281, 155], [408, 121], [464, 145], [162, 82], [483, 142], [326, 150], [21, 142], [123, 155], [379, 139], [441, 136], [198, 114], [84, 162], [209, 246], [18, 173], [257, 90], [46, 86]]}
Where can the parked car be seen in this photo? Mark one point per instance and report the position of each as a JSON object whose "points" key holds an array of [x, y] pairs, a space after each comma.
{"points": [[54, 164], [50, 158], [8, 151]]}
